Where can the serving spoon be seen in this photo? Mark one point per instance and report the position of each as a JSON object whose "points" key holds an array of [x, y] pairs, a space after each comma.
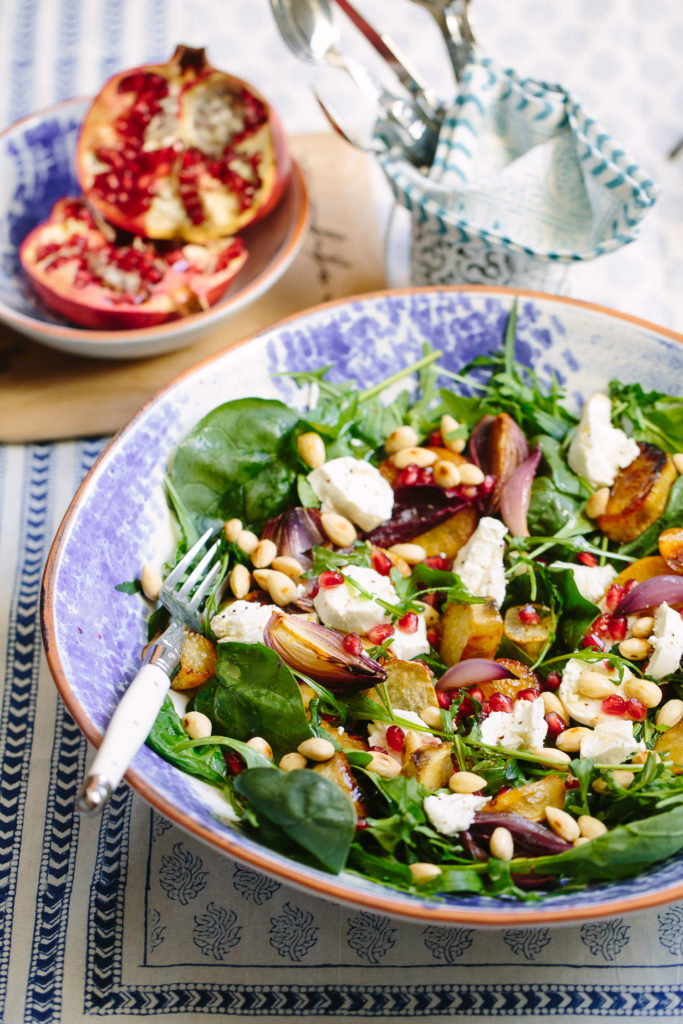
{"points": [[452, 17]]}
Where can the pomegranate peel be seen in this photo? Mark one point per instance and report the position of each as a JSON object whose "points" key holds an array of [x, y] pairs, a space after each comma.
{"points": [[81, 271], [182, 150]]}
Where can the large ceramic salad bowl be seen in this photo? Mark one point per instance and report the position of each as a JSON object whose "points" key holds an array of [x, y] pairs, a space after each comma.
{"points": [[119, 520]]}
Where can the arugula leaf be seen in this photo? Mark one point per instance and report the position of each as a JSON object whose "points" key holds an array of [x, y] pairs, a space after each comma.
{"points": [[324, 559], [309, 809], [648, 415], [253, 693], [425, 580], [129, 587], [168, 739]]}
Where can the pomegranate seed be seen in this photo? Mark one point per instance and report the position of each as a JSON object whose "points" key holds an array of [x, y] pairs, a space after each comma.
{"points": [[329, 579], [408, 623], [444, 699], [477, 693], [425, 476], [552, 680], [233, 763], [485, 709], [395, 737], [381, 562], [571, 782], [618, 627], [636, 710], [352, 644], [334, 719], [374, 746], [435, 439], [601, 625], [437, 562], [614, 705], [434, 637], [361, 823], [528, 694], [587, 558], [614, 596], [594, 642], [528, 615], [556, 723], [407, 477], [486, 486], [629, 585], [378, 634], [314, 591], [499, 702]]}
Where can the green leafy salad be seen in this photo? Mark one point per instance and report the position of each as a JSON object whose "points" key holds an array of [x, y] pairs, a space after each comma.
{"points": [[444, 648]]}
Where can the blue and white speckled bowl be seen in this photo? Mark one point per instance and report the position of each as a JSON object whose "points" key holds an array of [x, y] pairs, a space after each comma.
{"points": [[119, 520], [37, 168]]}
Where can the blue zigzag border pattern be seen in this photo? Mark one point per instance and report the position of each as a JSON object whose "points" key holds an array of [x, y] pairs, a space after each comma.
{"points": [[44, 991], [21, 682]]}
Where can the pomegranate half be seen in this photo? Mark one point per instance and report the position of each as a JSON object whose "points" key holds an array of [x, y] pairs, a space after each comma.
{"points": [[181, 150], [79, 269]]}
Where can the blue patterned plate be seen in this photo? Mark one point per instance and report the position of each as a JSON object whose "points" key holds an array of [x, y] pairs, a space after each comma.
{"points": [[119, 520], [37, 168]]}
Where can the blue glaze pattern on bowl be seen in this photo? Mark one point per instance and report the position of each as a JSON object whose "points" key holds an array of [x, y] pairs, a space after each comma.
{"points": [[119, 521]]}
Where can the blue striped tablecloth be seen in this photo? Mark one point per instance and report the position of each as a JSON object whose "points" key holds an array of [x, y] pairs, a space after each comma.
{"points": [[129, 916]]}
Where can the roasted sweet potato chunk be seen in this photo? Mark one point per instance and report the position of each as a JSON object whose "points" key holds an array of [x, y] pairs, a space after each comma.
{"points": [[522, 678], [431, 765], [642, 569], [531, 800], [470, 631], [671, 548], [197, 662], [639, 494], [448, 537]]}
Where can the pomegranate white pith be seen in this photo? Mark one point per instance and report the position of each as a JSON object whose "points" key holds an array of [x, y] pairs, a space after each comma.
{"points": [[181, 150]]}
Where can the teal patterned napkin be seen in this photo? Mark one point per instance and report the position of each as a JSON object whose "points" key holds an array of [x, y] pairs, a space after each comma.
{"points": [[519, 164]]}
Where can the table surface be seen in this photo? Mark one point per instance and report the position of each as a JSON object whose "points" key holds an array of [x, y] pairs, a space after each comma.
{"points": [[130, 916]]}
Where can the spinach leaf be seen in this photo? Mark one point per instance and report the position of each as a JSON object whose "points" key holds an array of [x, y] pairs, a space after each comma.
{"points": [[252, 758], [238, 462], [552, 510], [648, 415], [311, 811], [167, 738], [560, 473], [254, 694], [424, 579], [672, 516], [129, 587]]}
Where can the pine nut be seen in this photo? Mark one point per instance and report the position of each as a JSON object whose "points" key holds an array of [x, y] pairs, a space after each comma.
{"points": [[431, 716], [597, 503], [151, 581], [552, 703], [232, 529], [339, 529], [551, 756], [448, 425], [281, 588], [570, 739], [197, 725], [501, 843], [562, 824], [239, 580], [446, 474], [291, 567], [262, 746], [466, 782], [623, 778], [413, 554], [317, 748], [292, 762], [311, 449], [599, 786], [642, 756], [413, 457], [635, 648], [402, 437], [595, 685], [643, 626], [264, 553], [581, 841], [678, 461], [423, 872], [471, 475], [670, 714], [591, 827], [247, 541], [647, 693], [383, 765]]}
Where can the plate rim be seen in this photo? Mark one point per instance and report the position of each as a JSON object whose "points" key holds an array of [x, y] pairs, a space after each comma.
{"points": [[326, 886]]}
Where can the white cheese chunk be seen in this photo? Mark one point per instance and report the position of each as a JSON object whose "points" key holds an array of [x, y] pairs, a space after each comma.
{"points": [[667, 642], [450, 813], [345, 608], [611, 742], [523, 728], [377, 733], [479, 562], [407, 646], [242, 621], [591, 581], [598, 450], [355, 489], [588, 710]]}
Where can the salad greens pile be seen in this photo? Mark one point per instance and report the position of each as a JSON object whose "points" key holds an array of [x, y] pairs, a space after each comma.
{"points": [[241, 461]]}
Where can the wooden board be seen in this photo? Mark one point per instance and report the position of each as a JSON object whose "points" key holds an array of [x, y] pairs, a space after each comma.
{"points": [[50, 395]]}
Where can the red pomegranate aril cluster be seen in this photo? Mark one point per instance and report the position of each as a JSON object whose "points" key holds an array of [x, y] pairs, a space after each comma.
{"points": [[437, 562], [613, 626], [636, 710], [381, 562], [378, 634], [555, 723], [395, 737], [587, 558], [233, 763], [352, 644], [528, 694], [552, 681], [613, 596], [329, 579], [499, 702], [528, 615], [614, 705], [571, 782], [444, 699], [593, 642], [415, 476], [408, 623]]}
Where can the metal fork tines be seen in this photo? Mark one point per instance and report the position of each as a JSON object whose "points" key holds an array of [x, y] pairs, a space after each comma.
{"points": [[183, 602]]}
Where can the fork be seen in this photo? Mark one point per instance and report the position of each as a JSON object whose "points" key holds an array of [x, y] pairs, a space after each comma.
{"points": [[135, 715]]}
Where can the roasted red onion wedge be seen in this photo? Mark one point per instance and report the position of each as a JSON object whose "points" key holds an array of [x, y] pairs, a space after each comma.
{"points": [[295, 532], [498, 446], [530, 837], [471, 671], [319, 652], [515, 494], [650, 594]]}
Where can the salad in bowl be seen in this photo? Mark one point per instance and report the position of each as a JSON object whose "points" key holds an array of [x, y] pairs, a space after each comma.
{"points": [[443, 650]]}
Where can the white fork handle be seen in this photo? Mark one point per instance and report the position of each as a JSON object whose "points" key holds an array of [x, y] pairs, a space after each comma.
{"points": [[128, 729]]}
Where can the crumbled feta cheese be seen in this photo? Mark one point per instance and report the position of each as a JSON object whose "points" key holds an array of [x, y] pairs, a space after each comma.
{"points": [[598, 450], [667, 642], [452, 812], [377, 733], [407, 646], [479, 563], [243, 621], [611, 742], [345, 608], [523, 728], [591, 581], [355, 489], [588, 710]]}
